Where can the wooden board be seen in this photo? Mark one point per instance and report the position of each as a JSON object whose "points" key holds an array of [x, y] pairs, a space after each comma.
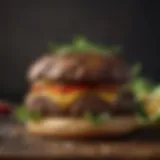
{"points": [[14, 142]]}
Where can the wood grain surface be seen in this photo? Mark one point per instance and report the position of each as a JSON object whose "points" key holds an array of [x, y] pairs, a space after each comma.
{"points": [[14, 143]]}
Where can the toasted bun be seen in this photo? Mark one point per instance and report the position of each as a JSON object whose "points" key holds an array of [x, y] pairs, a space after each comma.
{"points": [[80, 68], [73, 127]]}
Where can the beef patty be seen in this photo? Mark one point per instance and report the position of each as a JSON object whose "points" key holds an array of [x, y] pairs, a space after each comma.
{"points": [[125, 104]]}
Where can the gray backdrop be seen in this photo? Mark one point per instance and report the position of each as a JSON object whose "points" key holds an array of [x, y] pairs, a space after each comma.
{"points": [[28, 25]]}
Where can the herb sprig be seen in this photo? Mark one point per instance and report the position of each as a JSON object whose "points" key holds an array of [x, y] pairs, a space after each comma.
{"points": [[82, 44]]}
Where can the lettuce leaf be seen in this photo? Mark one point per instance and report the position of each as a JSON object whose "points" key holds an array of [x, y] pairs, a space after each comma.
{"points": [[98, 119], [140, 86], [22, 114]]}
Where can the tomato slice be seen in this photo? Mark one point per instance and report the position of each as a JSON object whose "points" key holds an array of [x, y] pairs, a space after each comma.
{"points": [[61, 88], [67, 88]]}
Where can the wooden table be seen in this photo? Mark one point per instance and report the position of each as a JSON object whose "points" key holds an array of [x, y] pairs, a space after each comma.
{"points": [[16, 143]]}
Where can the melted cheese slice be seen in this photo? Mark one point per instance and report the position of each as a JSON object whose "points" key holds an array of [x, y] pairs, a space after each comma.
{"points": [[108, 96], [62, 100], [65, 100]]}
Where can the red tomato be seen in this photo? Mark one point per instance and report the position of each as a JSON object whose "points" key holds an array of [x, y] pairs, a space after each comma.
{"points": [[66, 88]]}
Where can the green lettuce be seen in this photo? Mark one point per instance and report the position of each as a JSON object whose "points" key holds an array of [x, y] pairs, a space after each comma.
{"points": [[22, 114], [97, 119], [140, 86]]}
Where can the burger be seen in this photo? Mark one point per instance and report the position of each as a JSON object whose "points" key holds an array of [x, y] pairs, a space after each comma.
{"points": [[80, 93]]}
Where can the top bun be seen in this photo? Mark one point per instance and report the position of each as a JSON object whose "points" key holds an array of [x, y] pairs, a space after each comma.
{"points": [[80, 68]]}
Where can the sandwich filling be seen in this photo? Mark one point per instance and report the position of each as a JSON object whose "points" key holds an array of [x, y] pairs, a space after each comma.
{"points": [[65, 95], [54, 99]]}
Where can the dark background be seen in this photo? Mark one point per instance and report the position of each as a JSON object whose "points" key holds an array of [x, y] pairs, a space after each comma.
{"points": [[26, 27]]}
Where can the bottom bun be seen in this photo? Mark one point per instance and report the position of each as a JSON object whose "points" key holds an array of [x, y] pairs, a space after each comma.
{"points": [[74, 127]]}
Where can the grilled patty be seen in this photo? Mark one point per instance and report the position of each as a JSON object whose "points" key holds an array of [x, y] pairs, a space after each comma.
{"points": [[124, 104]]}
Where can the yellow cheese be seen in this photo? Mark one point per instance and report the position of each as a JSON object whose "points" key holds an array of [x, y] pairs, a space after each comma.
{"points": [[108, 96], [62, 100]]}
